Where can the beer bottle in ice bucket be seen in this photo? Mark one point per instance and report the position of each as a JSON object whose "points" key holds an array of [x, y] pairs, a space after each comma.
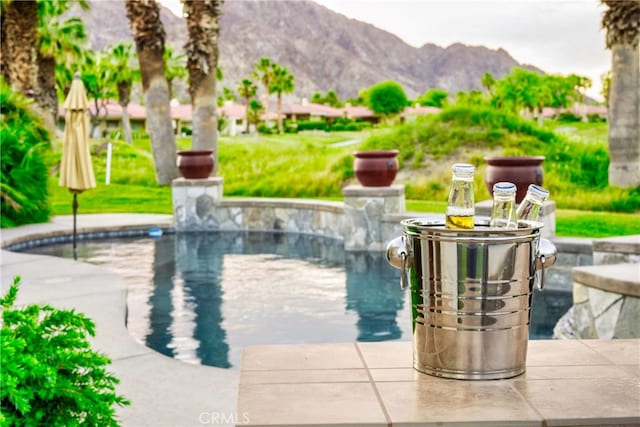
{"points": [[531, 206], [461, 207], [503, 211]]}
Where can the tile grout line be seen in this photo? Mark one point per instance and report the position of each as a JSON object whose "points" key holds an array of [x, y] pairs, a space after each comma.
{"points": [[373, 384], [543, 419]]}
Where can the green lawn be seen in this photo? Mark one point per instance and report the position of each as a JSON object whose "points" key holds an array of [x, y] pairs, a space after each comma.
{"points": [[305, 165], [580, 131]]}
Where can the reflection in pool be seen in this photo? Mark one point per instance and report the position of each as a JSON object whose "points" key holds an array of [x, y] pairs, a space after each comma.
{"points": [[202, 297]]}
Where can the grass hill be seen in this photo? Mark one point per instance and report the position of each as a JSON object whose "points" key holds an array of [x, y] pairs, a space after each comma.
{"points": [[315, 165]]}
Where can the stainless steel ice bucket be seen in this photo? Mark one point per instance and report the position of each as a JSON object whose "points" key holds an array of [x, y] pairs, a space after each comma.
{"points": [[471, 294]]}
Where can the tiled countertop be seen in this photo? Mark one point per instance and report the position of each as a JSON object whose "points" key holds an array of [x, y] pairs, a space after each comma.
{"points": [[591, 382]]}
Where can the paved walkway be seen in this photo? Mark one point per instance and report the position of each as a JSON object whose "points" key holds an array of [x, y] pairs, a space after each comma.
{"points": [[162, 391], [345, 143]]}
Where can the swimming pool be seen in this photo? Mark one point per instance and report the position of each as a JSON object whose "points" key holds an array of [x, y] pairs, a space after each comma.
{"points": [[202, 297]]}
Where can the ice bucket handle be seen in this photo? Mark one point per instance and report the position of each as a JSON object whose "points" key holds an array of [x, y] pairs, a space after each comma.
{"points": [[545, 258], [399, 255]]}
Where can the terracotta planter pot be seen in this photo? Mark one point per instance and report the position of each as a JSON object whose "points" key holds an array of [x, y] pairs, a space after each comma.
{"points": [[522, 171], [195, 164], [375, 168]]}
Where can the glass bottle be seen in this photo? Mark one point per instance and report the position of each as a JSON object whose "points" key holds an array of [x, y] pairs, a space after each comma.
{"points": [[461, 207], [529, 210], [503, 211]]}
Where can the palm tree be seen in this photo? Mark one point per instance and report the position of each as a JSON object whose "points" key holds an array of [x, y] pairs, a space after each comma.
{"points": [[175, 67], [124, 74], [282, 82], [96, 76], [148, 34], [255, 110], [18, 45], [247, 90], [622, 22], [61, 43], [202, 60], [263, 72], [488, 82]]}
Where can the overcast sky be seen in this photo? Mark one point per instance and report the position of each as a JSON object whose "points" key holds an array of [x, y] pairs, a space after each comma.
{"points": [[558, 36]]}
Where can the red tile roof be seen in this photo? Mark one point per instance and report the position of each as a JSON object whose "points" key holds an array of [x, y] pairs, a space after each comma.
{"points": [[237, 111]]}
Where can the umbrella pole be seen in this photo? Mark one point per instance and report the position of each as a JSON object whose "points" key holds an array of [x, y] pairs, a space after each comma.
{"points": [[75, 212]]}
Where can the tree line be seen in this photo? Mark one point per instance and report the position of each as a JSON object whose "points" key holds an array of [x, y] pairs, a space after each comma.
{"points": [[36, 40], [40, 48]]}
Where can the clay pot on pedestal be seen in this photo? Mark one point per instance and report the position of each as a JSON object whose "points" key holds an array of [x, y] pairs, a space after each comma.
{"points": [[375, 168], [195, 164], [521, 170]]}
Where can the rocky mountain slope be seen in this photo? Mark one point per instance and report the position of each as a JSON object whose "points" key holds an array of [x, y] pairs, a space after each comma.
{"points": [[323, 49]]}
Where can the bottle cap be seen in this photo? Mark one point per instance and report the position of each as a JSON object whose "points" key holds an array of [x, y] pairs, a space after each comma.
{"points": [[504, 188], [538, 191], [463, 169]]}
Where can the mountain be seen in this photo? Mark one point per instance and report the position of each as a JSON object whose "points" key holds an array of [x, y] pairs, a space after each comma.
{"points": [[323, 49]]}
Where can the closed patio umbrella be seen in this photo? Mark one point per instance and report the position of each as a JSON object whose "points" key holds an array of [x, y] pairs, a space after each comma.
{"points": [[76, 170]]}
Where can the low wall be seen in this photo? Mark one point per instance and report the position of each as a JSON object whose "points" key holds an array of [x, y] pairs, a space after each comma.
{"points": [[198, 206], [359, 221], [368, 218], [606, 295]]}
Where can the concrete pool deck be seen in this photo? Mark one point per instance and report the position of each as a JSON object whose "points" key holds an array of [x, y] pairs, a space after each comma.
{"points": [[163, 391]]}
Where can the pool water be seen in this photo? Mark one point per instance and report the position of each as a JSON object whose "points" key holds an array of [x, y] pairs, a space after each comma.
{"points": [[203, 297]]}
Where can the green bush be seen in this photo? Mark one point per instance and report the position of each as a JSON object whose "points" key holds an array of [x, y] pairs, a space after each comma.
{"points": [[345, 128], [596, 118], [264, 129], [387, 98], [312, 125], [50, 375], [568, 116], [141, 134], [23, 181], [290, 126]]}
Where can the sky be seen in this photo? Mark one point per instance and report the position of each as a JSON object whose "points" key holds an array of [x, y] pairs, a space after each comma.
{"points": [[557, 36]]}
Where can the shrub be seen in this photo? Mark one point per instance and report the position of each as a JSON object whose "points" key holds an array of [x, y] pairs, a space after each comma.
{"points": [[23, 179], [266, 130], [568, 116], [345, 127], [50, 375], [387, 98], [141, 134], [312, 125], [596, 118], [290, 126]]}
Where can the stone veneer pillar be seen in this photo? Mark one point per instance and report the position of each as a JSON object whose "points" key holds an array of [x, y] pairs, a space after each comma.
{"points": [[194, 201], [364, 210], [606, 295]]}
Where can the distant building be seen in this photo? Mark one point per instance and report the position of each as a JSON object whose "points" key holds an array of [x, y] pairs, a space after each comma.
{"points": [[232, 115]]}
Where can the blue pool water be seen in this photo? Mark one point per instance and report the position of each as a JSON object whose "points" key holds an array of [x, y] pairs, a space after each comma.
{"points": [[202, 297]]}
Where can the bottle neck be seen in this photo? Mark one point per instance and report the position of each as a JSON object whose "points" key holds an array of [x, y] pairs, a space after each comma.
{"points": [[461, 194], [504, 197], [530, 208]]}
